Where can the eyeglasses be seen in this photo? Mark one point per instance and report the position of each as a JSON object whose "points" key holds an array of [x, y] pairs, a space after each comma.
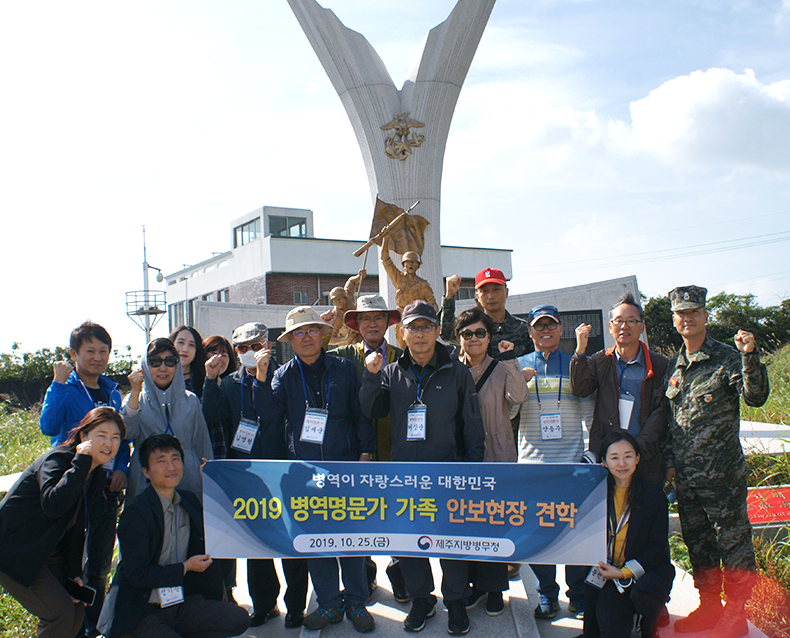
{"points": [[253, 346], [156, 362], [480, 333], [618, 323], [309, 331], [366, 318], [549, 325], [426, 328]]}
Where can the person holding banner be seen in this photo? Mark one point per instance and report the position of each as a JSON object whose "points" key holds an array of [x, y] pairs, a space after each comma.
{"points": [[159, 403], [237, 402], [315, 396], [637, 576], [435, 415], [551, 431], [500, 386], [166, 585], [370, 319]]}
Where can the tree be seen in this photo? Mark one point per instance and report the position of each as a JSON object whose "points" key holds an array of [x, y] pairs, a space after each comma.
{"points": [[728, 314], [661, 333]]}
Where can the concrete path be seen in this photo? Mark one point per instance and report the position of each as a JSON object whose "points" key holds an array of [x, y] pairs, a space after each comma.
{"points": [[517, 621]]}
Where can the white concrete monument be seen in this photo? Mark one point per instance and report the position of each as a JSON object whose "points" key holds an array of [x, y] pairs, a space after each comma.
{"points": [[402, 133]]}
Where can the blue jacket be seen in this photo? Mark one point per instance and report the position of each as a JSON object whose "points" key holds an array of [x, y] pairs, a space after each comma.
{"points": [[66, 404], [348, 432]]}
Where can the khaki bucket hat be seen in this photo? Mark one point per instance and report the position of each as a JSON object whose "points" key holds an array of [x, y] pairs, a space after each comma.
{"points": [[301, 317]]}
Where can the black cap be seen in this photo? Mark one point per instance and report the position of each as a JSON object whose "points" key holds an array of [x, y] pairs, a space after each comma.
{"points": [[419, 310]]}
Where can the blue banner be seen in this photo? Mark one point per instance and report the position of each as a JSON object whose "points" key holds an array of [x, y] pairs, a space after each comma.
{"points": [[538, 513]]}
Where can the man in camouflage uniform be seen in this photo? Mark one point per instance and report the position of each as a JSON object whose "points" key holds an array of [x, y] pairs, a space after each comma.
{"points": [[705, 459], [490, 294]]}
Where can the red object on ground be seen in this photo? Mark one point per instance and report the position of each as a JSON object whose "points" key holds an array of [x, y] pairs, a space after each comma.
{"points": [[769, 504]]}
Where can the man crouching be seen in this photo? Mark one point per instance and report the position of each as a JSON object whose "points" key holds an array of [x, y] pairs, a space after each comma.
{"points": [[164, 582]]}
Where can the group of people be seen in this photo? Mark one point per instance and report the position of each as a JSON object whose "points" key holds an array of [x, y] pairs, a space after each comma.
{"points": [[483, 386]]}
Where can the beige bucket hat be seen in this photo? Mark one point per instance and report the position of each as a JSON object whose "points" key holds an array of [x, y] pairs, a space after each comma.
{"points": [[301, 317]]}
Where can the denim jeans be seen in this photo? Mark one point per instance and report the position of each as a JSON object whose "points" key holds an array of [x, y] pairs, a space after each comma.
{"points": [[574, 577], [325, 574]]}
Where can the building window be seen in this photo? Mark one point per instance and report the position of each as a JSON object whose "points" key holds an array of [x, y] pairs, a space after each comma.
{"points": [[190, 318], [466, 293], [222, 295], [301, 298], [246, 233], [176, 315], [207, 298], [287, 226]]}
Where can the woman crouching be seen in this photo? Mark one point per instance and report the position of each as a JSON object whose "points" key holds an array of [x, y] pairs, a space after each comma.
{"points": [[638, 574], [43, 520]]}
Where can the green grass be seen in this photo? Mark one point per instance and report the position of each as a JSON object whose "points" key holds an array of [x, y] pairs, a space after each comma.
{"points": [[777, 408], [21, 441], [768, 469], [15, 622]]}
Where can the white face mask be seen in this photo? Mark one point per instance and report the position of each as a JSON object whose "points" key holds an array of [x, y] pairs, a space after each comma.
{"points": [[248, 360]]}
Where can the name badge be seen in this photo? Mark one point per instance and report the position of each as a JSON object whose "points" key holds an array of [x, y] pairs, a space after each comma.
{"points": [[625, 406], [595, 578], [169, 596], [417, 419], [245, 436], [550, 426], [314, 425]]}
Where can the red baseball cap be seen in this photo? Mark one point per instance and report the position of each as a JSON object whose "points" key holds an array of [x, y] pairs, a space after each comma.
{"points": [[490, 276]]}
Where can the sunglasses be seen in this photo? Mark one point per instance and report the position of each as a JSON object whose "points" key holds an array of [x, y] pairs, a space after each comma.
{"points": [[156, 362], [480, 333], [253, 346]]}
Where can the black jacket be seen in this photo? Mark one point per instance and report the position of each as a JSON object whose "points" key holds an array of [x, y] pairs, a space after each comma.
{"points": [[36, 513], [140, 536], [223, 404], [647, 539], [454, 426]]}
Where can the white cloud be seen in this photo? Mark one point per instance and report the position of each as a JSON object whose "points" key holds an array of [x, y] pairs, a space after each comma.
{"points": [[716, 116]]}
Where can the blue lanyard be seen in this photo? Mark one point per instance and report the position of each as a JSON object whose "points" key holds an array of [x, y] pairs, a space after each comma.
{"points": [[545, 374], [328, 384], [168, 429], [420, 377]]}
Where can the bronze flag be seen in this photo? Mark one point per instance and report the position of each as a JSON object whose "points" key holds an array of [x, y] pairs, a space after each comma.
{"points": [[405, 236]]}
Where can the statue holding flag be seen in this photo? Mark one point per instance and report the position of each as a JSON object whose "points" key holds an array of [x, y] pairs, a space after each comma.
{"points": [[395, 229]]}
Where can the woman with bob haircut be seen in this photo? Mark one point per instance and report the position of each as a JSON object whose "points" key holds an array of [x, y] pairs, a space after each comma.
{"points": [[160, 404], [219, 347], [500, 386], [43, 520], [637, 575], [189, 345]]}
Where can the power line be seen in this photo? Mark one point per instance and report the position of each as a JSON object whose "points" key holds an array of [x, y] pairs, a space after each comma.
{"points": [[663, 254]]}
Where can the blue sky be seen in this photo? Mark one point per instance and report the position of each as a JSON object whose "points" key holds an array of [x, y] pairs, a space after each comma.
{"points": [[591, 137]]}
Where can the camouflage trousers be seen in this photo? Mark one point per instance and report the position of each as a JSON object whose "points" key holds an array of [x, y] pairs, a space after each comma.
{"points": [[718, 534]]}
